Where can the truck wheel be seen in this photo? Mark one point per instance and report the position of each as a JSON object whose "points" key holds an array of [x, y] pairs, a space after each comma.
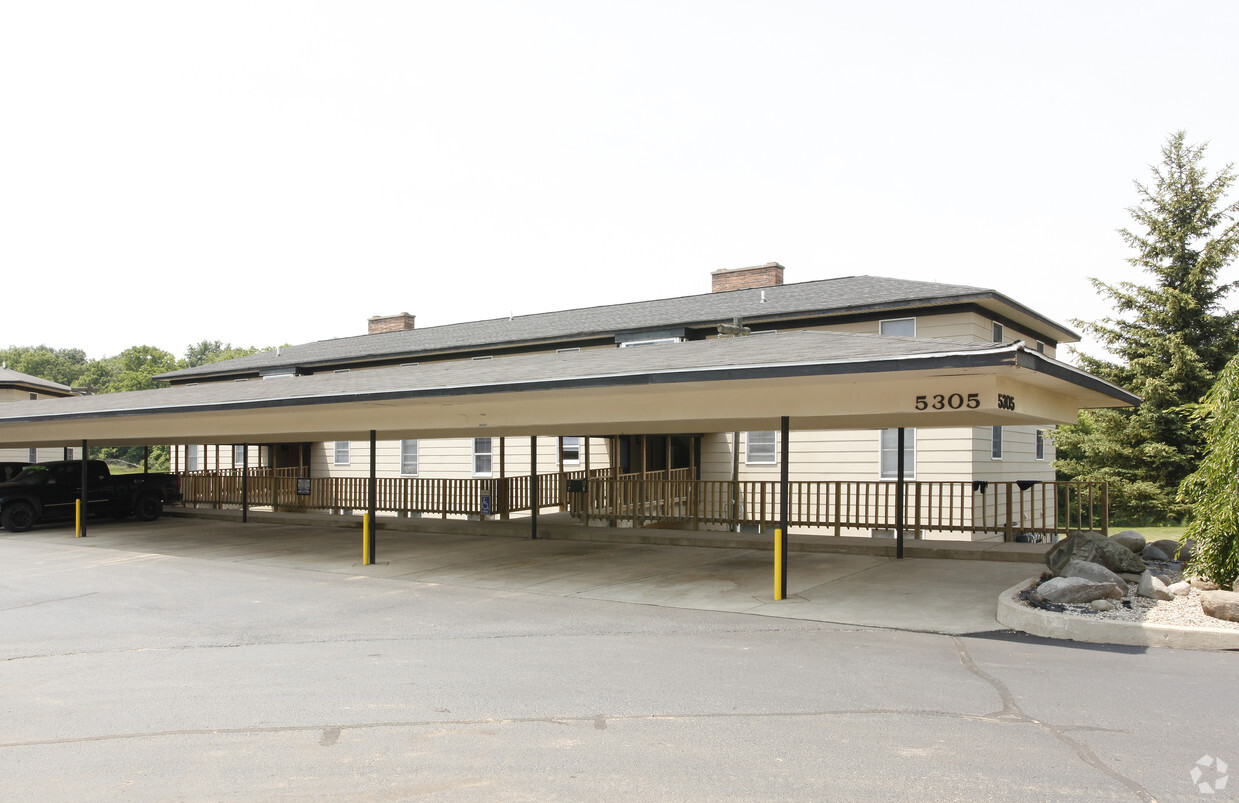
{"points": [[18, 517], [148, 507]]}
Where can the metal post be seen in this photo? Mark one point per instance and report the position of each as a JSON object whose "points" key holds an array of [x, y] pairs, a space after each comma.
{"points": [[533, 487], [784, 501], [899, 495], [85, 509], [374, 493], [245, 483]]}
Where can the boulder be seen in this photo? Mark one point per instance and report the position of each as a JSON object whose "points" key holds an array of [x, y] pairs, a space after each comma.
{"points": [[1173, 550], [1093, 547], [1152, 587], [1179, 589], [1130, 539], [1102, 605], [1093, 571], [1221, 605], [1154, 552], [1203, 585], [1076, 590]]}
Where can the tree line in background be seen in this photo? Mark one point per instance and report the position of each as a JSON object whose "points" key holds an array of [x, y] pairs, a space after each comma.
{"points": [[134, 368]]}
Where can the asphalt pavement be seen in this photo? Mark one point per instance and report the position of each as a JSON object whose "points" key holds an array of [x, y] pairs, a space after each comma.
{"points": [[154, 663]]}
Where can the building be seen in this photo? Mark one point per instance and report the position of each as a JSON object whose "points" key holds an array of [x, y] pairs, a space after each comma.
{"points": [[747, 302], [16, 386]]}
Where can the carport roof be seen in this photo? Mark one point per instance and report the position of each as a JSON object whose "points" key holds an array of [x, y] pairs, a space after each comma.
{"points": [[823, 380]]}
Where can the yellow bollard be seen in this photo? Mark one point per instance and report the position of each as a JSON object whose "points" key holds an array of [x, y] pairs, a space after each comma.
{"points": [[365, 539], [77, 505], [778, 563]]}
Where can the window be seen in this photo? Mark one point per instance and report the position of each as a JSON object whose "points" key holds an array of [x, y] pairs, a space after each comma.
{"points": [[567, 351], [900, 327], [191, 457], [341, 457], [341, 370], [486, 357], [997, 332], [995, 450], [654, 342], [408, 458], [482, 457], [33, 397], [1040, 444], [1041, 347], [890, 454], [761, 448], [572, 451], [238, 454], [33, 457]]}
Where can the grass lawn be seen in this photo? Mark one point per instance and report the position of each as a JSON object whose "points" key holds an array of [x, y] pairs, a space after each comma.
{"points": [[1151, 533]]}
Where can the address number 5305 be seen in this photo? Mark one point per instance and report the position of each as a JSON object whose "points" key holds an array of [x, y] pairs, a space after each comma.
{"points": [[954, 401]]}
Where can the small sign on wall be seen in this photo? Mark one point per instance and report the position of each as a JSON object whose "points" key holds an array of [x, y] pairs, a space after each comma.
{"points": [[303, 486]]}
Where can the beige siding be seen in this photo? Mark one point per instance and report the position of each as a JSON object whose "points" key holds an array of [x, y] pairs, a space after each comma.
{"points": [[451, 458], [44, 455]]}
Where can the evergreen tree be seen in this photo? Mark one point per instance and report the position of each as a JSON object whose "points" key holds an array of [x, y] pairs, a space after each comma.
{"points": [[1170, 338]]}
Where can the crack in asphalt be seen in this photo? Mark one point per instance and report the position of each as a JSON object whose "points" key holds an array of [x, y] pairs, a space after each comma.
{"points": [[330, 734], [1011, 712], [46, 601]]}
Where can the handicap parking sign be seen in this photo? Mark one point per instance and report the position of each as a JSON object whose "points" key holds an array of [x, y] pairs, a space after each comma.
{"points": [[485, 504]]}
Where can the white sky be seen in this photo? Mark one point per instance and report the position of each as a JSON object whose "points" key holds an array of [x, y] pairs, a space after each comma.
{"points": [[263, 172]]}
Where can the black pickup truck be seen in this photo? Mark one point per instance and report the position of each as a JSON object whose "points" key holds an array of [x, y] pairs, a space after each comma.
{"points": [[46, 491]]}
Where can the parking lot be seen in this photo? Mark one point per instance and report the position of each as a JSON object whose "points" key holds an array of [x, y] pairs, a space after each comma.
{"points": [[186, 659]]}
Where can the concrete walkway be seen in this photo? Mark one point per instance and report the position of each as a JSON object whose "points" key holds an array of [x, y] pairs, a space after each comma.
{"points": [[941, 595]]}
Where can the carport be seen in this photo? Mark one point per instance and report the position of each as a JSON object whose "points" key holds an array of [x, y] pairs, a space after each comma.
{"points": [[786, 381]]}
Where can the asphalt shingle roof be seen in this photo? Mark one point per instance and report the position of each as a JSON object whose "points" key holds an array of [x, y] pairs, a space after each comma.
{"points": [[10, 377], [756, 352], [825, 297]]}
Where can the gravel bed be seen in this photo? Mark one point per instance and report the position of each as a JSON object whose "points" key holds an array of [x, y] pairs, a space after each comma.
{"points": [[1182, 611]]}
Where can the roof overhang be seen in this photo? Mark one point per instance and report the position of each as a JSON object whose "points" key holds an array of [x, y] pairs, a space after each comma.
{"points": [[820, 380]]}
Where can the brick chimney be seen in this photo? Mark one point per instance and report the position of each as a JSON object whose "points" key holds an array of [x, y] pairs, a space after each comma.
{"points": [[390, 323], [767, 275]]}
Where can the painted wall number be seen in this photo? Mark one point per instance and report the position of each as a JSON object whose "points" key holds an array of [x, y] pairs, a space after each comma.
{"points": [[953, 402], [1006, 402]]}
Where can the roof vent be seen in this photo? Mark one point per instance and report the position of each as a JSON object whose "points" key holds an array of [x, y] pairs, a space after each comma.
{"points": [[768, 275], [391, 323]]}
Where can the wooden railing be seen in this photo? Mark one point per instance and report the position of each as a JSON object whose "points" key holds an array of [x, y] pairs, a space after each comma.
{"points": [[1006, 508], [675, 498], [286, 489]]}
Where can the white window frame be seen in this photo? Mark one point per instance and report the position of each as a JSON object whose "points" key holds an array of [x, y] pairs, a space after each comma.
{"points": [[1039, 449], [191, 457], [488, 454], [238, 455], [33, 455], [882, 326], [765, 438], [652, 342], [996, 442], [408, 455], [341, 453], [573, 444], [888, 454]]}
